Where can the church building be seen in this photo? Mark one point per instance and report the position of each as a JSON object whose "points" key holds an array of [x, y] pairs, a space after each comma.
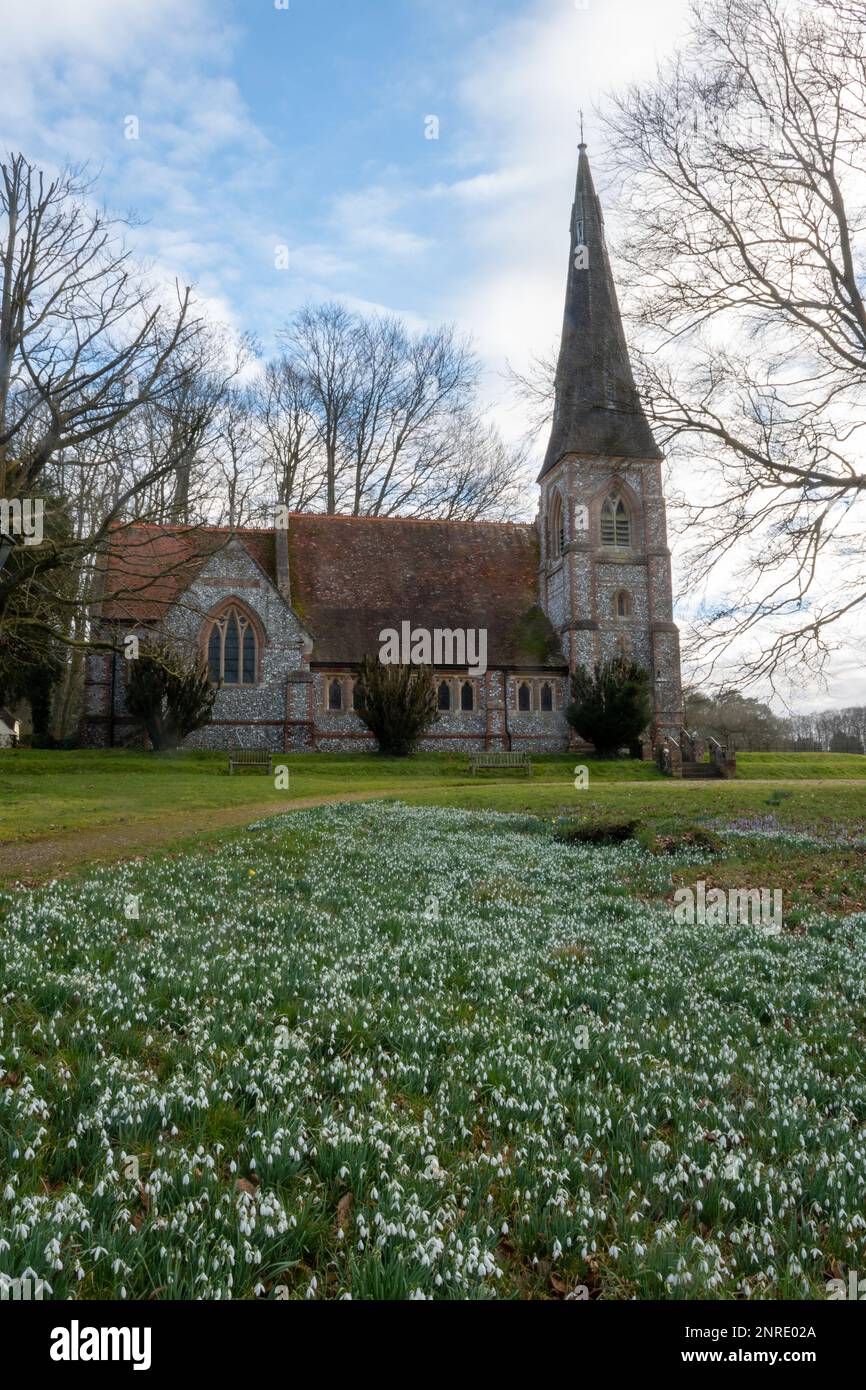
{"points": [[284, 616]]}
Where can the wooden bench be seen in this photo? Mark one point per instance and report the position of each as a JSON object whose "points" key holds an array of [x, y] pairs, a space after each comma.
{"points": [[251, 757], [483, 761]]}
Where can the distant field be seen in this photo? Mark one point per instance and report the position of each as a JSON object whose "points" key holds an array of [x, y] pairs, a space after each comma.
{"points": [[796, 765]]}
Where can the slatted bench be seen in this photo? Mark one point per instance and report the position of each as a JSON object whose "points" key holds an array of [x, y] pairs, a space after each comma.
{"points": [[251, 757], [482, 761]]}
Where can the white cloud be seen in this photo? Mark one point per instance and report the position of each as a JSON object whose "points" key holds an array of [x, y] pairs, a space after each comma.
{"points": [[366, 219]]}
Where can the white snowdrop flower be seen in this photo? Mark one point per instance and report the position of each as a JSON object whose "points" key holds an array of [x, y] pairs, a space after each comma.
{"points": [[9, 1193]]}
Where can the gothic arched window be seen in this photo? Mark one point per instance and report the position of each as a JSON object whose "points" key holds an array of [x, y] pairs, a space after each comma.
{"points": [[615, 524], [335, 694], [524, 696], [556, 530], [444, 699], [547, 697], [233, 648], [467, 696], [622, 604]]}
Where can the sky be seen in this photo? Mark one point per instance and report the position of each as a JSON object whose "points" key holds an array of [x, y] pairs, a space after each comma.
{"points": [[279, 151], [236, 129]]}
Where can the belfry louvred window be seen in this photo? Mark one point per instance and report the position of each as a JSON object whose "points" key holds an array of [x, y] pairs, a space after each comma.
{"points": [[233, 649], [615, 524]]}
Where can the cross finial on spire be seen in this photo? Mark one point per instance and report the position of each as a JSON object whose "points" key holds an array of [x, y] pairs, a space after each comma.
{"points": [[581, 126]]}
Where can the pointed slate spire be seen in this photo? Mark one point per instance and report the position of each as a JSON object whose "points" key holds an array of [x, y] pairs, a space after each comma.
{"points": [[597, 409]]}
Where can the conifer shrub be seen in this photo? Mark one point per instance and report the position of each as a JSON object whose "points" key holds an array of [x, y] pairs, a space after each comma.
{"points": [[397, 704]]}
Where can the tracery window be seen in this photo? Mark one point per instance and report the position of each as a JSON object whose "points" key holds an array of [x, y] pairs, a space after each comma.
{"points": [[233, 649]]}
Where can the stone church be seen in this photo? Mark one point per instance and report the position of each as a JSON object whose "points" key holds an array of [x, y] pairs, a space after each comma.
{"points": [[284, 616]]}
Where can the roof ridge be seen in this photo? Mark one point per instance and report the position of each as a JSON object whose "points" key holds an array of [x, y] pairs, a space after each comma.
{"points": [[179, 528], [416, 520]]}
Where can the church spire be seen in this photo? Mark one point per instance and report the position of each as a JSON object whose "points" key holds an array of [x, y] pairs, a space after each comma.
{"points": [[597, 410]]}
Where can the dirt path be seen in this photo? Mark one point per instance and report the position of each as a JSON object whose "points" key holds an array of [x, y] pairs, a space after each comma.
{"points": [[32, 862]]}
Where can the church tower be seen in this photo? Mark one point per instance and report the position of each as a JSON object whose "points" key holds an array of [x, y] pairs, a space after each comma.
{"points": [[605, 574]]}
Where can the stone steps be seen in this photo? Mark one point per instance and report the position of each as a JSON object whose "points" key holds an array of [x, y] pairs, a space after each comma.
{"points": [[701, 770]]}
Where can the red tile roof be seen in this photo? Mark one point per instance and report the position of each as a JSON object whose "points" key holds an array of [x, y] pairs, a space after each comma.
{"points": [[149, 567], [353, 576]]}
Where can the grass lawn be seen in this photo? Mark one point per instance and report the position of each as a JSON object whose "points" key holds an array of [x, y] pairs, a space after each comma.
{"points": [[73, 790], [388, 1051], [57, 795]]}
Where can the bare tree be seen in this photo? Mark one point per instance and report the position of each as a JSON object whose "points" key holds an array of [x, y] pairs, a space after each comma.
{"points": [[371, 419], [477, 475], [238, 463], [534, 392], [410, 389], [84, 346], [288, 435], [745, 160], [173, 446], [320, 343]]}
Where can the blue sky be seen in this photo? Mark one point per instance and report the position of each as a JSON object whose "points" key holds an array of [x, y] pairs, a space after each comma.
{"points": [[261, 127]]}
